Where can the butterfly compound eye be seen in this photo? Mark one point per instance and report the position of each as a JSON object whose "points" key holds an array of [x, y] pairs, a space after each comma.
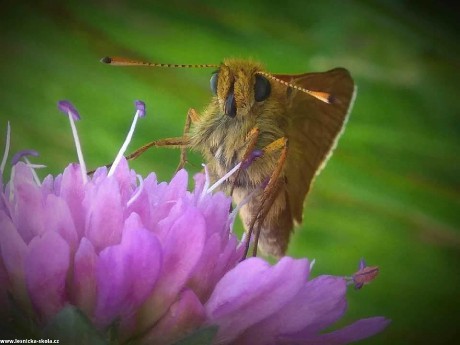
{"points": [[262, 88], [213, 82]]}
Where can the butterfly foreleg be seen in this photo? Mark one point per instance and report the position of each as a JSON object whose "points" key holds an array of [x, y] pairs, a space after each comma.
{"points": [[251, 140], [176, 142], [192, 117], [269, 193], [168, 142]]}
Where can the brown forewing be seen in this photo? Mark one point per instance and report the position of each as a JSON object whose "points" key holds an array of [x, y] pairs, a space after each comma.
{"points": [[315, 127]]}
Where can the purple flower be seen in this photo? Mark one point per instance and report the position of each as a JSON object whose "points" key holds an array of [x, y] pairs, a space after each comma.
{"points": [[154, 260]]}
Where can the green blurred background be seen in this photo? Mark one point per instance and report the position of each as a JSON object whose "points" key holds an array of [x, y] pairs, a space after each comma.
{"points": [[391, 191]]}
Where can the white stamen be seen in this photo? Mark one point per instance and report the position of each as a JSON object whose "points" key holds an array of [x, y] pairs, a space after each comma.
{"points": [[7, 148], [78, 147], [243, 239], [124, 146], [223, 178], [243, 202], [138, 191], [32, 169], [36, 166], [206, 182], [12, 187], [312, 262]]}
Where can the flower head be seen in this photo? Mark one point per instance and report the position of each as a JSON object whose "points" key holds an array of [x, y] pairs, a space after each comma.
{"points": [[154, 261]]}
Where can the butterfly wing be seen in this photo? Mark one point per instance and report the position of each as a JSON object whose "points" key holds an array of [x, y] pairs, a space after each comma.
{"points": [[315, 127]]}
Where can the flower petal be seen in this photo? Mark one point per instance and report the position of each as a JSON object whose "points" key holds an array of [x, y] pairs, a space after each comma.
{"points": [[184, 316], [127, 273], [201, 280], [4, 299], [359, 330], [13, 252], [252, 291], [70, 187], [126, 180], [47, 263], [84, 277], [59, 219], [200, 181], [318, 304], [164, 200], [104, 217], [180, 259], [216, 213], [28, 201], [213, 264], [177, 186], [324, 299]]}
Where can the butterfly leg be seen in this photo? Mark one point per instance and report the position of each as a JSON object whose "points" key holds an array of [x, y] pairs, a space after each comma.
{"points": [[269, 193], [251, 139], [192, 117], [167, 142]]}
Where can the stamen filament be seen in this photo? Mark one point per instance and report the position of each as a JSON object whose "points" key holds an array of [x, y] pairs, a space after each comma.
{"points": [[138, 191], [312, 263], [7, 148], [32, 169], [206, 182], [121, 152], [78, 147], [223, 178], [237, 208]]}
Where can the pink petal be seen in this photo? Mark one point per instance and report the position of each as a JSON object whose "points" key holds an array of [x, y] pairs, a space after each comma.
{"points": [[4, 299], [184, 316], [200, 180], [164, 202], [126, 180], [28, 201], [47, 263], [169, 212], [252, 291], [58, 218], [72, 190], [182, 247], [178, 186], [202, 279], [213, 264], [229, 257], [104, 217], [324, 298], [141, 207], [127, 273], [359, 330], [216, 214], [13, 252], [47, 186], [318, 304], [84, 277], [4, 204]]}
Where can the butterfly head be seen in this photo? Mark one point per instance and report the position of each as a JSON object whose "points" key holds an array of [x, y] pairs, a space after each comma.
{"points": [[239, 87]]}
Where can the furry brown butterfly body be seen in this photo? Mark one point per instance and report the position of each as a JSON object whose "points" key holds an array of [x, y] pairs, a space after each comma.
{"points": [[308, 124], [293, 120]]}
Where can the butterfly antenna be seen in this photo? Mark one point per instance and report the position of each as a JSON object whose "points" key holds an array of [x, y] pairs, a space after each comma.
{"points": [[322, 96], [120, 61]]}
